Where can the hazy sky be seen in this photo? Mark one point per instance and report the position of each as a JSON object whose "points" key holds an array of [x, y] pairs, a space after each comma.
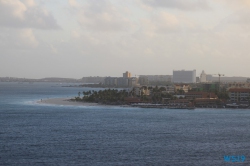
{"points": [[76, 38]]}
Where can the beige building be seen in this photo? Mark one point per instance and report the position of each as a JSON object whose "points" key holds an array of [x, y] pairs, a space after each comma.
{"points": [[239, 94], [141, 91], [238, 85], [203, 77], [183, 87]]}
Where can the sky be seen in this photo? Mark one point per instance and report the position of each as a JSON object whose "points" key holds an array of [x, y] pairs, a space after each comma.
{"points": [[77, 38]]}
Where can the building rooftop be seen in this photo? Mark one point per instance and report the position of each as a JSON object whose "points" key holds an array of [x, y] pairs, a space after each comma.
{"points": [[239, 90]]}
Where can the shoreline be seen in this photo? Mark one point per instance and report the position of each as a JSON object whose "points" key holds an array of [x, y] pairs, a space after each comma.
{"points": [[68, 102], [65, 102]]}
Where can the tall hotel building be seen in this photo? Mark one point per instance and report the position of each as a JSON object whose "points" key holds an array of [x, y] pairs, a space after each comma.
{"points": [[184, 76], [126, 74]]}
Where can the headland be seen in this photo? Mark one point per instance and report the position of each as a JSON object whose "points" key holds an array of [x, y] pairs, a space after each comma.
{"points": [[65, 102]]}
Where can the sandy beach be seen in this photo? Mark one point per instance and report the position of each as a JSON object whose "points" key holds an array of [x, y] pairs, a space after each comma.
{"points": [[64, 101]]}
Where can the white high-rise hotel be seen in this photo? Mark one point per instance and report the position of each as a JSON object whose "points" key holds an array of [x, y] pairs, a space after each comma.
{"points": [[203, 77], [184, 76]]}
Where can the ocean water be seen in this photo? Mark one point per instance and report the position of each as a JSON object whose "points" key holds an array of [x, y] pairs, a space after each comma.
{"points": [[34, 134]]}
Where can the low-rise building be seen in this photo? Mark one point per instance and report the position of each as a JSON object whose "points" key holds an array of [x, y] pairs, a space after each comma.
{"points": [[238, 85], [179, 102], [183, 87], [239, 94], [201, 102], [194, 95], [170, 89], [130, 100], [139, 91]]}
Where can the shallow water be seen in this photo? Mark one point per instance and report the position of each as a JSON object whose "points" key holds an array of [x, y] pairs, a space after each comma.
{"points": [[33, 134]]}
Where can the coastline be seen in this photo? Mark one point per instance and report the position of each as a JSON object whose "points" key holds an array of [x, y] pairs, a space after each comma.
{"points": [[65, 102], [68, 102]]}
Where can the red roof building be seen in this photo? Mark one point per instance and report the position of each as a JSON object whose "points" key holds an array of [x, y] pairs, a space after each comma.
{"points": [[206, 101], [239, 94], [194, 95]]}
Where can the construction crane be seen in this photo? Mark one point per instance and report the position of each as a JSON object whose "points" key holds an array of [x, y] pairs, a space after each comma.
{"points": [[219, 78]]}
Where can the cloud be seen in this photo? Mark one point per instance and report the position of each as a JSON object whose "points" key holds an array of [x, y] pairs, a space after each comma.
{"points": [[234, 4], [240, 17], [28, 38], [19, 39], [13, 9], [165, 23], [100, 16], [73, 3], [237, 22], [189, 5], [29, 3], [162, 23], [25, 14]]}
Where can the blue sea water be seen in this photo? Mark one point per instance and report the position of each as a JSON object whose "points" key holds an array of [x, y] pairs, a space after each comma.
{"points": [[34, 134]]}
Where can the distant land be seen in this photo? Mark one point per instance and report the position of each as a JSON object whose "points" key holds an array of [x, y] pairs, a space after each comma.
{"points": [[50, 79], [230, 79], [97, 79]]}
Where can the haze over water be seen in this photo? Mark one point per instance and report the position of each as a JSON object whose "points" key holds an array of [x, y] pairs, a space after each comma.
{"points": [[33, 134]]}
